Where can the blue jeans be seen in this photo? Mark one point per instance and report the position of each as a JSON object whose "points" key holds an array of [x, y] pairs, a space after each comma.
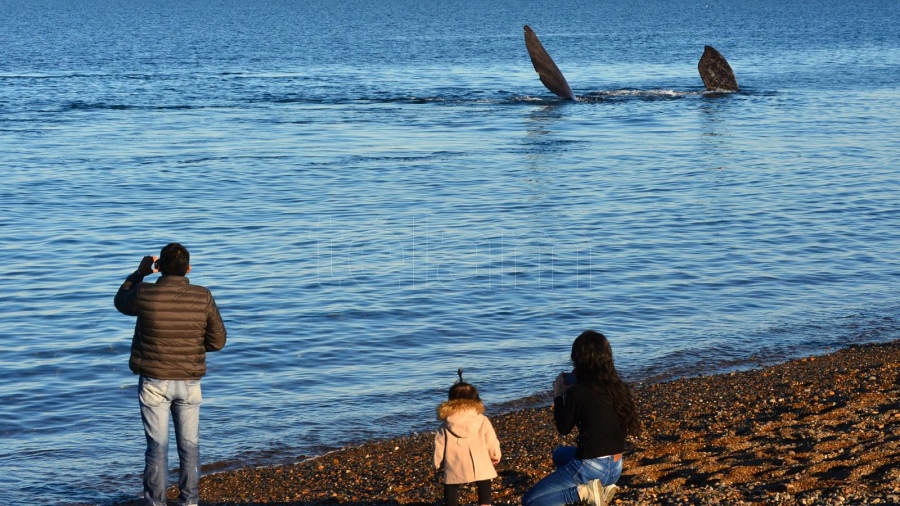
{"points": [[182, 398], [562, 455], [561, 486]]}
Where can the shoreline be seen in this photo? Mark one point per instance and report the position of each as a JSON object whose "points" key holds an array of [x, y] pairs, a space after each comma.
{"points": [[817, 430]]}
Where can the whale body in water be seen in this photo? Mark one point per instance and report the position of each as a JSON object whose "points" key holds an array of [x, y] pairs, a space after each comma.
{"points": [[714, 69]]}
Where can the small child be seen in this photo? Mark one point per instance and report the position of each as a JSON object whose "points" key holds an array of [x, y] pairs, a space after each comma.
{"points": [[466, 444]]}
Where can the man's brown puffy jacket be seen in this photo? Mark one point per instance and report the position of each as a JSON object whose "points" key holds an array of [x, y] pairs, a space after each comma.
{"points": [[177, 323]]}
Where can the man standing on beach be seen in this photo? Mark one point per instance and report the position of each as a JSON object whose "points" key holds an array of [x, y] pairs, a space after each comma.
{"points": [[177, 323]]}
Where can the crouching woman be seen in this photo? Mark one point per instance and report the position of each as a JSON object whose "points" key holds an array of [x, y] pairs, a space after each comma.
{"points": [[601, 406]]}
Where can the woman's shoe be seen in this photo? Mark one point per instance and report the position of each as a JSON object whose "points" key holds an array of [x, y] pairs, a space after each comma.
{"points": [[593, 492], [608, 492]]}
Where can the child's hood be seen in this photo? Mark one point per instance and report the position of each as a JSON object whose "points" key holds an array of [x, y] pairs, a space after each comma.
{"points": [[463, 417]]}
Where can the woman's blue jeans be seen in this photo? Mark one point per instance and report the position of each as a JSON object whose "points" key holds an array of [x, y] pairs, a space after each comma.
{"points": [[182, 399], [561, 486]]}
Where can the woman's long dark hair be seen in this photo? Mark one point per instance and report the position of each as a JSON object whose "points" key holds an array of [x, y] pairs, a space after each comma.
{"points": [[593, 360]]}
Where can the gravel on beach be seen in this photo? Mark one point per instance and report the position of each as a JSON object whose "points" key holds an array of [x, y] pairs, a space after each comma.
{"points": [[821, 430]]}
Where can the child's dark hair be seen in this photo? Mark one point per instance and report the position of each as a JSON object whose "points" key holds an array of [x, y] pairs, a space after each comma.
{"points": [[462, 390]]}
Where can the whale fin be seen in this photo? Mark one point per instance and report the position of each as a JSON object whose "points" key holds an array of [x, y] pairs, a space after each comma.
{"points": [[716, 72], [544, 66]]}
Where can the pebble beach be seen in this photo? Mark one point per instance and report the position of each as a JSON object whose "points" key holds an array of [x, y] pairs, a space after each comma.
{"points": [[818, 430]]}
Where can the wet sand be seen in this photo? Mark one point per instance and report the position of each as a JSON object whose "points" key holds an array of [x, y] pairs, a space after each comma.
{"points": [[820, 430]]}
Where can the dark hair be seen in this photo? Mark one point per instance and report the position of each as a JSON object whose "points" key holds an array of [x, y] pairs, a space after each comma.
{"points": [[174, 259], [462, 390], [593, 360]]}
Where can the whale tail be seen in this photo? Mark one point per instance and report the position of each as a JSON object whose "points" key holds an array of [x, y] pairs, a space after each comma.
{"points": [[716, 72], [546, 68]]}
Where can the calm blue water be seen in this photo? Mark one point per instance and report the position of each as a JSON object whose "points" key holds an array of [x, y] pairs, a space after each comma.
{"points": [[380, 192]]}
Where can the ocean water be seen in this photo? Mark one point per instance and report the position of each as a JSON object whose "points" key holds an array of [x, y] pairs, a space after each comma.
{"points": [[378, 193]]}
